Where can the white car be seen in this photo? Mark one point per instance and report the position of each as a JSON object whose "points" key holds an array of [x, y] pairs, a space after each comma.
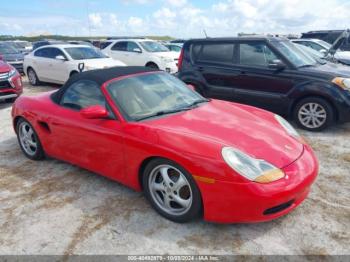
{"points": [[324, 48], [56, 63], [143, 52]]}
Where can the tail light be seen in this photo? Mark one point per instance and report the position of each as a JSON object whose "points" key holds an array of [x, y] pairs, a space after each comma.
{"points": [[181, 57]]}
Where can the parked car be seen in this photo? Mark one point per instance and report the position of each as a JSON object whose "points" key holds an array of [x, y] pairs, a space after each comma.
{"points": [[330, 52], [143, 52], [56, 63], [178, 41], [173, 47], [104, 44], [328, 36], [10, 82], [23, 46], [190, 155], [12, 56], [41, 43], [271, 73]]}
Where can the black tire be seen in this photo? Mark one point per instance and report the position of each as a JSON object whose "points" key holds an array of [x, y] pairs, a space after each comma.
{"points": [[33, 77], [39, 152], [194, 209], [152, 65], [323, 108]]}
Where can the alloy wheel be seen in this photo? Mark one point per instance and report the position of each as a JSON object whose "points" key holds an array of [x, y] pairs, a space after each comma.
{"points": [[32, 77], [27, 139], [170, 190], [312, 115]]}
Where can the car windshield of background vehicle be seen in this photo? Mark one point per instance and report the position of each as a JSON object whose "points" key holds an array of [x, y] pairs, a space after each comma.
{"points": [[294, 54], [151, 95], [151, 46], [318, 56], [81, 53], [7, 49], [324, 43]]}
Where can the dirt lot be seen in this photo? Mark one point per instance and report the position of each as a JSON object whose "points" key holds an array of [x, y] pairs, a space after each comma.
{"points": [[51, 207]]}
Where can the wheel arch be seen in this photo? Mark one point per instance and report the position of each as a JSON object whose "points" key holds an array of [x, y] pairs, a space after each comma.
{"points": [[151, 63]]}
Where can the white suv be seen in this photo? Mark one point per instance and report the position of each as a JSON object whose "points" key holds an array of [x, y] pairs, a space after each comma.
{"points": [[56, 63], [143, 52]]}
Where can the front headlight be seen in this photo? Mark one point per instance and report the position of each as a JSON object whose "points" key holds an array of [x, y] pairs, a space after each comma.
{"points": [[342, 82], [256, 170], [12, 72]]}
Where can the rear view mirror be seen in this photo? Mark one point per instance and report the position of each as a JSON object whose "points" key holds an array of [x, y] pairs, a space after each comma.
{"points": [[277, 64], [94, 112]]}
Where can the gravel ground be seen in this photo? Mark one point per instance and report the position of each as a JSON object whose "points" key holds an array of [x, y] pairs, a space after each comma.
{"points": [[51, 207]]}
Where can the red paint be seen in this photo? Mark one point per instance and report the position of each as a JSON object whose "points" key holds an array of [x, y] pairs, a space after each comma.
{"points": [[194, 139], [15, 81]]}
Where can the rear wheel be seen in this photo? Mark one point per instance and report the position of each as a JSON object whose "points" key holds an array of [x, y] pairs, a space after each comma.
{"points": [[152, 65], [313, 114], [172, 191], [29, 140], [32, 77]]}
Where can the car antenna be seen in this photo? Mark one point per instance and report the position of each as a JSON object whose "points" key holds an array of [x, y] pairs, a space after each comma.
{"points": [[205, 33]]}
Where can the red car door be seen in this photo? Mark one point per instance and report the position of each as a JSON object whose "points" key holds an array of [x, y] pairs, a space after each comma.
{"points": [[94, 144]]}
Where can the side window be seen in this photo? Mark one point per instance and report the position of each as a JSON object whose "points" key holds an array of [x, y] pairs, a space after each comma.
{"points": [[131, 46], [195, 51], [40, 52], [119, 46], [55, 52], [216, 53], [315, 46], [256, 54], [82, 94]]}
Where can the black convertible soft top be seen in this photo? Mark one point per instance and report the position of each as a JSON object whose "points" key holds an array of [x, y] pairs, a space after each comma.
{"points": [[100, 76]]}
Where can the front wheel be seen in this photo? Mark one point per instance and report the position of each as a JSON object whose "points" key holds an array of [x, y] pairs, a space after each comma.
{"points": [[172, 191], [313, 114], [29, 140]]}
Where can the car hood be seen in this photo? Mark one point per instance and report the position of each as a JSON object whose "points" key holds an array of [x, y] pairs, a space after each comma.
{"points": [[342, 55], [328, 69], [251, 130], [101, 63], [4, 67], [13, 57]]}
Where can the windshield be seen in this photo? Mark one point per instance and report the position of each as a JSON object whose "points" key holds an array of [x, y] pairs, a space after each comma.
{"points": [[318, 56], [175, 48], [323, 43], [294, 54], [8, 49], [152, 46], [21, 45], [154, 94], [80, 53]]}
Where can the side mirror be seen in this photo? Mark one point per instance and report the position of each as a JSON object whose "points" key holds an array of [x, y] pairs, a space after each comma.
{"points": [[137, 50], [60, 57], [94, 112], [323, 51], [277, 65]]}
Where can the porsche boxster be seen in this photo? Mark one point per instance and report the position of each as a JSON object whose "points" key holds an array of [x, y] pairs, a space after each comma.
{"points": [[190, 155]]}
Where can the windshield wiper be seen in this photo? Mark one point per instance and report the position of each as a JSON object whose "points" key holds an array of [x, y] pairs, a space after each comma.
{"points": [[164, 112], [308, 65], [196, 102]]}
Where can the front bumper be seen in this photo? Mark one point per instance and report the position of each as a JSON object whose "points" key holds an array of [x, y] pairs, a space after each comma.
{"points": [[11, 88], [18, 65], [230, 202]]}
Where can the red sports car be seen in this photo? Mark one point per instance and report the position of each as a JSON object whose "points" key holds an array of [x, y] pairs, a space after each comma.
{"points": [[191, 156], [10, 82]]}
